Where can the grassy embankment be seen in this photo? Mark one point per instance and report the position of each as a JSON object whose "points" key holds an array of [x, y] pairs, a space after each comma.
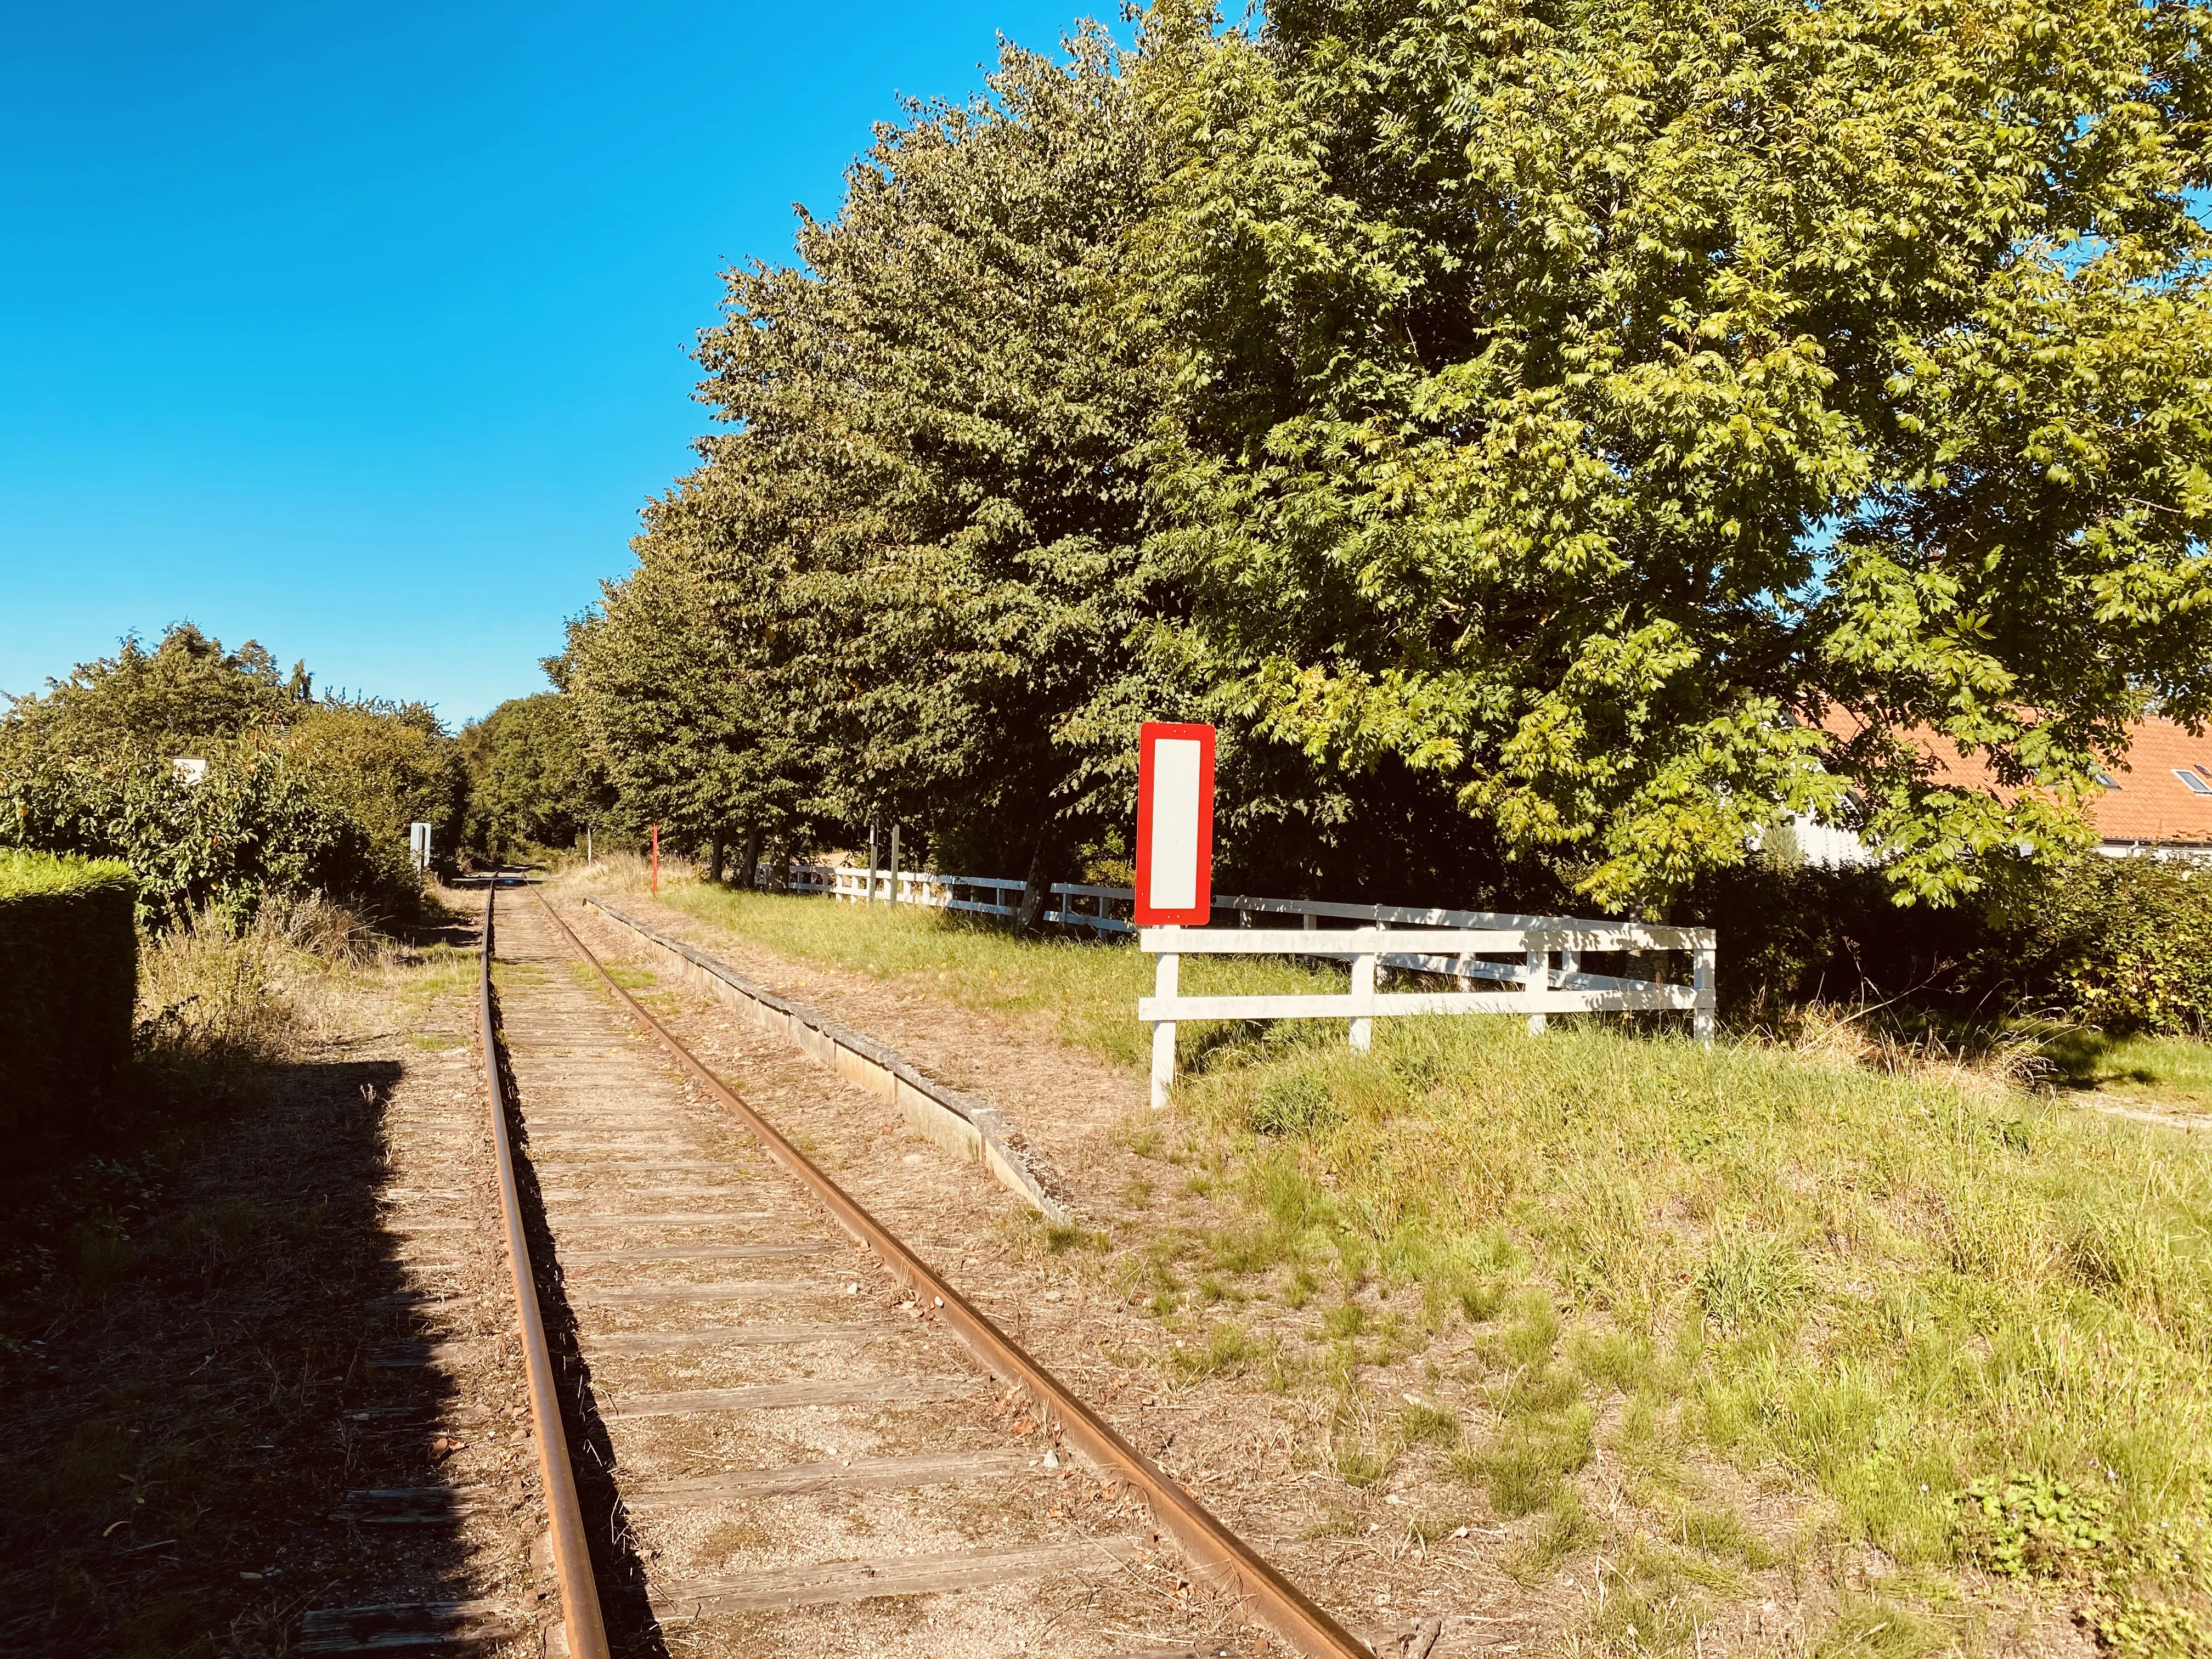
{"points": [[1976, 1322]]}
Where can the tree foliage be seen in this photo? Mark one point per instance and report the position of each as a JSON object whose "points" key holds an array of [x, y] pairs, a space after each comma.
{"points": [[1519, 426], [387, 766], [906, 580], [1579, 399], [299, 795], [187, 687], [533, 781]]}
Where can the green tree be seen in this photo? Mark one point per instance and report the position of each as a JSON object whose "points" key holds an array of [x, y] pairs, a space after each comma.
{"points": [[905, 582], [387, 765], [187, 687], [1577, 400], [299, 795], [534, 779], [671, 679]]}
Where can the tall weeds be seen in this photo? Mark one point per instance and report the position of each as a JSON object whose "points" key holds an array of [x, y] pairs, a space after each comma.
{"points": [[213, 995]]}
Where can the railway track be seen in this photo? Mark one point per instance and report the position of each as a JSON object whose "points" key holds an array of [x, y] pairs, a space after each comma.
{"points": [[796, 1436]]}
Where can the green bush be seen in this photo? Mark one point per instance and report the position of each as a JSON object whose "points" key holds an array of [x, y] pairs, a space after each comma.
{"points": [[68, 979], [258, 825], [2123, 944]]}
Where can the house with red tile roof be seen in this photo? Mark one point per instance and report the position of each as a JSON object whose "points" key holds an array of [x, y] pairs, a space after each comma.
{"points": [[2157, 798]]}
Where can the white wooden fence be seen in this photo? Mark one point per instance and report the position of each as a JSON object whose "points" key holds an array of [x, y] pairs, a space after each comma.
{"points": [[1541, 956], [1548, 972], [986, 896]]}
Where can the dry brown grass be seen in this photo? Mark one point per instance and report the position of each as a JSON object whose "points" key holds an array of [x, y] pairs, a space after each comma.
{"points": [[208, 994], [624, 872], [1981, 1059]]}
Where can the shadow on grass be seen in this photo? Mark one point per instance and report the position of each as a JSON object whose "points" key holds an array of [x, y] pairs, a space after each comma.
{"points": [[204, 1360]]}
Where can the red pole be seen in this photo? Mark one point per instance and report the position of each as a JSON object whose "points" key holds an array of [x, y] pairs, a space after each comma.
{"points": [[656, 860]]}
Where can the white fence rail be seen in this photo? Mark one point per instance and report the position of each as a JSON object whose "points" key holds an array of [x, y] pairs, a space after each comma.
{"points": [[1549, 973], [986, 896], [1540, 972]]}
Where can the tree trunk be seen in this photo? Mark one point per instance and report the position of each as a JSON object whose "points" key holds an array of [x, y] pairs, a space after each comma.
{"points": [[714, 863], [1037, 888], [749, 859]]}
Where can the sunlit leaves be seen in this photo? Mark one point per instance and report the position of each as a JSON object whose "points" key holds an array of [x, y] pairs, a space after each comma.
{"points": [[1581, 402]]}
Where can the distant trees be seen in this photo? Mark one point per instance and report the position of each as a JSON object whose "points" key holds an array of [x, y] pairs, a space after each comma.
{"points": [[906, 581], [674, 679], [1515, 427], [533, 777], [386, 765]]}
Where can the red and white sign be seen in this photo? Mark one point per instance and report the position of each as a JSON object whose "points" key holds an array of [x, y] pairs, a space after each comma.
{"points": [[1175, 825]]}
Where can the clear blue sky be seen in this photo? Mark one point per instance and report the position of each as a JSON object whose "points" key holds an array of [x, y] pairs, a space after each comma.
{"points": [[362, 331]]}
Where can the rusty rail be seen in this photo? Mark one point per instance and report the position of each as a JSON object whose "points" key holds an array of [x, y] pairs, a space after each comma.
{"points": [[571, 1554], [1211, 1548]]}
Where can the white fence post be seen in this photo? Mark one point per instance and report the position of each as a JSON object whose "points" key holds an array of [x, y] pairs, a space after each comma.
{"points": [[1539, 979], [1363, 996], [1703, 961], [1164, 1030]]}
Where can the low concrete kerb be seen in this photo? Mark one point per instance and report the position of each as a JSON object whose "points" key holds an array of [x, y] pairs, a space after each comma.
{"points": [[970, 1129]]}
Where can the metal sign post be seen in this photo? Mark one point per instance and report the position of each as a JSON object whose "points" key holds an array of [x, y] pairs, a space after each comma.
{"points": [[418, 845]]}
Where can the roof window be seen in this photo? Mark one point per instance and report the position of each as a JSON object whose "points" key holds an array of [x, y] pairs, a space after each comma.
{"points": [[2197, 785], [2107, 778]]}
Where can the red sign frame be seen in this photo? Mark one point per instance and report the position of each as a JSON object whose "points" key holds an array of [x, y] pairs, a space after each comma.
{"points": [[1199, 913]]}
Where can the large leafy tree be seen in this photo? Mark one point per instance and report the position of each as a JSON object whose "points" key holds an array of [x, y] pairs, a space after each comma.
{"points": [[1581, 401], [188, 687], [918, 544], [670, 679]]}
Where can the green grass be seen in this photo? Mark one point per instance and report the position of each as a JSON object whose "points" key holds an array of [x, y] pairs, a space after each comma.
{"points": [[1891, 1286], [2174, 1071], [1086, 993]]}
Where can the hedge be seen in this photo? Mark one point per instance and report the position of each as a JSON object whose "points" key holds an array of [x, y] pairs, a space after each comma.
{"points": [[256, 826], [69, 981], [2122, 943]]}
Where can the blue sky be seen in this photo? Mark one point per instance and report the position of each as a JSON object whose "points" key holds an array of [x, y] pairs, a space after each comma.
{"points": [[363, 331]]}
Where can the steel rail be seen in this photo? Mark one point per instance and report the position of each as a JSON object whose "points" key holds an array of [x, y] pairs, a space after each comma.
{"points": [[572, 1552], [1213, 1551]]}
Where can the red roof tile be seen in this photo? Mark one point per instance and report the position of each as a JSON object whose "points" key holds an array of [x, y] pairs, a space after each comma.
{"points": [[2150, 804]]}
